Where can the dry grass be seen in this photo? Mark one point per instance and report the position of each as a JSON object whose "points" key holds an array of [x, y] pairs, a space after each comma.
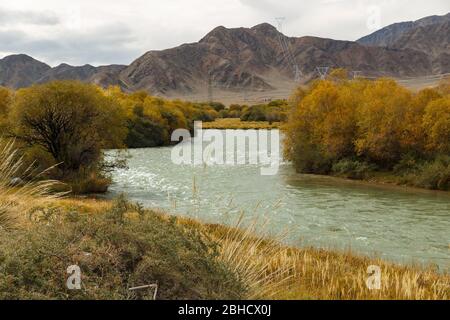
{"points": [[84, 205], [20, 189], [273, 271], [247, 256], [236, 123], [332, 275]]}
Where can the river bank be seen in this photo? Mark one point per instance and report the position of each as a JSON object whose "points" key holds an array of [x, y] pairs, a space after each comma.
{"points": [[382, 181], [102, 235]]}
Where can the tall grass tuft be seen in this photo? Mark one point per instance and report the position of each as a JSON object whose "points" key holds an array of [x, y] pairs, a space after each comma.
{"points": [[18, 185], [258, 261]]}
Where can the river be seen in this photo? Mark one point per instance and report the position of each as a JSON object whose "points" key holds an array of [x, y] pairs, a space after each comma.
{"points": [[400, 225]]}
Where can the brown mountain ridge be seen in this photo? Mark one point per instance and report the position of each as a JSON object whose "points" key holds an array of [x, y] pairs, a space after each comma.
{"points": [[257, 59]]}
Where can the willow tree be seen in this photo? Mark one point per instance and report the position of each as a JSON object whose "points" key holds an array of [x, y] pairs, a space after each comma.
{"points": [[70, 121]]}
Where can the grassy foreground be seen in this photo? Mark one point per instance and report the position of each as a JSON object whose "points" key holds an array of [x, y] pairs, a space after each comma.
{"points": [[119, 245]]}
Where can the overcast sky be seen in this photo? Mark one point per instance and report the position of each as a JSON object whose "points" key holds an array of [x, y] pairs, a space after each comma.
{"points": [[112, 31]]}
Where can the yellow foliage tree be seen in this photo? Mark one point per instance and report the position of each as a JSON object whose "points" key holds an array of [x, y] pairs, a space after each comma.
{"points": [[71, 121], [366, 122], [436, 123], [322, 126], [6, 97], [381, 121]]}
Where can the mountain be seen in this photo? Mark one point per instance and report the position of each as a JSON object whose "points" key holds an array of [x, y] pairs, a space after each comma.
{"points": [[433, 39], [20, 70], [260, 59], [103, 75], [254, 60], [429, 35], [390, 35]]}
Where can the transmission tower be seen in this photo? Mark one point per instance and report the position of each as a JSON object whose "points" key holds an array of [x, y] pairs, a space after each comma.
{"points": [[245, 91], [298, 73], [210, 88], [356, 74], [287, 51], [323, 72]]}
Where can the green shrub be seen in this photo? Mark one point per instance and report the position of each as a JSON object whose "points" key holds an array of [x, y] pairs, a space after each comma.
{"points": [[409, 163], [353, 169], [308, 159], [254, 113], [144, 132], [434, 175], [122, 248], [218, 106], [275, 111]]}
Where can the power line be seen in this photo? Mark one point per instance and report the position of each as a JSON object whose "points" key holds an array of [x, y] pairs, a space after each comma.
{"points": [[287, 51]]}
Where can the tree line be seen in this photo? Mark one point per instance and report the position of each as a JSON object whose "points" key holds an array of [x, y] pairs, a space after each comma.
{"points": [[356, 128], [65, 125]]}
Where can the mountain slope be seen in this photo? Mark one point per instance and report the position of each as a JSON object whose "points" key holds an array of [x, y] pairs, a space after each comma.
{"points": [[432, 39], [430, 35], [255, 59], [390, 35], [103, 75], [18, 71], [258, 59]]}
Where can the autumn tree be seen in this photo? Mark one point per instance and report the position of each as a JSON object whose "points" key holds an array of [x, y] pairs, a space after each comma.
{"points": [[381, 122], [413, 135], [6, 97], [70, 121], [436, 123], [354, 127], [322, 127]]}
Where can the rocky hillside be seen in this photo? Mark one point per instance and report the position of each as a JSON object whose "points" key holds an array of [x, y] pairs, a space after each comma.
{"points": [[390, 35], [18, 71], [104, 75], [429, 35], [258, 59]]}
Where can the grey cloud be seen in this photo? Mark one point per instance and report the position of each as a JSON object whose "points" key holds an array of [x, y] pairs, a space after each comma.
{"points": [[116, 43], [8, 17], [287, 8], [107, 45]]}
